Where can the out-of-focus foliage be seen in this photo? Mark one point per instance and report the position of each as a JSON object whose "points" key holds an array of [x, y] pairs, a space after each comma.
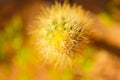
{"points": [[10, 39]]}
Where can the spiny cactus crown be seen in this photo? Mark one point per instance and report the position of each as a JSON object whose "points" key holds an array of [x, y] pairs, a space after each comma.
{"points": [[60, 32]]}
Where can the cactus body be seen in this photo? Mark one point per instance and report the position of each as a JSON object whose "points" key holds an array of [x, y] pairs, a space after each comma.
{"points": [[61, 33]]}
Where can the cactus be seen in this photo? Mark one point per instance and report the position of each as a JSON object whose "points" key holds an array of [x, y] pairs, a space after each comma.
{"points": [[61, 33]]}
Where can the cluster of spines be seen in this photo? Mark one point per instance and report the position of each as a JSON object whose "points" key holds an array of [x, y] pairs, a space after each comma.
{"points": [[62, 32]]}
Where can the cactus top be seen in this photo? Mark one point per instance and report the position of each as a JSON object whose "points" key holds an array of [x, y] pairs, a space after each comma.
{"points": [[60, 33]]}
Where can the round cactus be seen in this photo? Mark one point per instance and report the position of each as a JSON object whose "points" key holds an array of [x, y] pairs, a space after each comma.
{"points": [[61, 33]]}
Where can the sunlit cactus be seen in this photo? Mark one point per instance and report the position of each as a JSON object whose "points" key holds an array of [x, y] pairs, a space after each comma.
{"points": [[61, 33]]}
